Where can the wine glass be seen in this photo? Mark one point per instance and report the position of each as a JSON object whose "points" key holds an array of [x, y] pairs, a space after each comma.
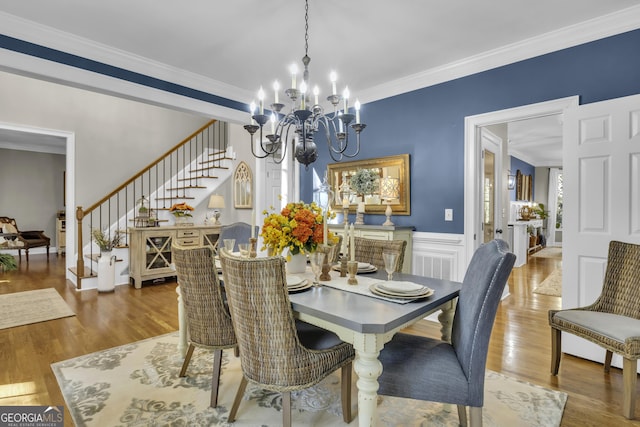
{"points": [[390, 263], [317, 259]]}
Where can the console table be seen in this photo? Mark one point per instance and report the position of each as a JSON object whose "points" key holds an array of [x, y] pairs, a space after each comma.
{"points": [[150, 248], [383, 232]]}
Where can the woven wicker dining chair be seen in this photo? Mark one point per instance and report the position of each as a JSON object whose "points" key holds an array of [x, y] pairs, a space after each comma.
{"points": [[370, 250], [277, 352], [612, 321], [208, 319]]}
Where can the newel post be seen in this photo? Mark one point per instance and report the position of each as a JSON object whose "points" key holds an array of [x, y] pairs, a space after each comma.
{"points": [[80, 260]]}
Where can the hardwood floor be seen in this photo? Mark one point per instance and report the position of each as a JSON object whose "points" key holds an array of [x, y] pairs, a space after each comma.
{"points": [[520, 343]]}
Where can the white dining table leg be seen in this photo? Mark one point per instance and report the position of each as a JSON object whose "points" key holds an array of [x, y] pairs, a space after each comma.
{"points": [[368, 368], [182, 325]]}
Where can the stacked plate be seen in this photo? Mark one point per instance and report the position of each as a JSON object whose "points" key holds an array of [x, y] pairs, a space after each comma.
{"points": [[297, 283], [363, 267], [401, 290]]}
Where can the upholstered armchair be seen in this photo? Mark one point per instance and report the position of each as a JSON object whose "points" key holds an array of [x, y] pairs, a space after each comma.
{"points": [[428, 369], [241, 231], [22, 240]]}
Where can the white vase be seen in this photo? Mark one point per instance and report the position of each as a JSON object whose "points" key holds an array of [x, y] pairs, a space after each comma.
{"points": [[297, 264], [106, 272]]}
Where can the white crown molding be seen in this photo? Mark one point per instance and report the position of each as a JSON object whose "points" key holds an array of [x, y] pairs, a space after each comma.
{"points": [[588, 31], [597, 28], [33, 32]]}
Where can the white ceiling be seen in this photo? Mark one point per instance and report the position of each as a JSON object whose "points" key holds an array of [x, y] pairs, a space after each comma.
{"points": [[377, 47]]}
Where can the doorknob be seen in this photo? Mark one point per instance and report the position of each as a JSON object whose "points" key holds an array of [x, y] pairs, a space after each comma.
{"points": [[499, 231]]}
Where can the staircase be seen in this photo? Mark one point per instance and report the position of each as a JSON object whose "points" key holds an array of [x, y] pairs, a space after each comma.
{"points": [[189, 172]]}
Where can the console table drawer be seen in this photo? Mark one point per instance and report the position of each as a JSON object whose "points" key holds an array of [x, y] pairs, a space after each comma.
{"points": [[188, 241], [193, 234]]}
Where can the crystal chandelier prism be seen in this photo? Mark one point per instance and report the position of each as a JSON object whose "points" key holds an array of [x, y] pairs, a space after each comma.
{"points": [[305, 121]]}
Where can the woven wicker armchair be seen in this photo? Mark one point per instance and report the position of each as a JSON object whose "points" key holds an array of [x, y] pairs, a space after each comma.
{"points": [[612, 321], [277, 352], [208, 319], [370, 250]]}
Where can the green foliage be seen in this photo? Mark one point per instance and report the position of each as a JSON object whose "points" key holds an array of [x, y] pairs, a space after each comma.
{"points": [[365, 181], [8, 262]]}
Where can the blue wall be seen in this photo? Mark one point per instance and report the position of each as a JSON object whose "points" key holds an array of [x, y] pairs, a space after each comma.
{"points": [[515, 164], [429, 123]]}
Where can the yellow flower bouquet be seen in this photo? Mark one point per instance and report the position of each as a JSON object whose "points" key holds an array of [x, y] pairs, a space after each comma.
{"points": [[298, 227]]}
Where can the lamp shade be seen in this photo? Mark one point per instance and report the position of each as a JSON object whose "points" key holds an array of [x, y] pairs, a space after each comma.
{"points": [[389, 188], [216, 201]]}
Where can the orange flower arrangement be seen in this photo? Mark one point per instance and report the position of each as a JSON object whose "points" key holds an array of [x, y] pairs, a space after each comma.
{"points": [[181, 209], [298, 227]]}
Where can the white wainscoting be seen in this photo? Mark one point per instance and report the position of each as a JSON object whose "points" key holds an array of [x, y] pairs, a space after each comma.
{"points": [[439, 255], [442, 256]]}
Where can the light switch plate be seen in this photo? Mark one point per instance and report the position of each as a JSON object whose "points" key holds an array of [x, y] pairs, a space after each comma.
{"points": [[448, 214]]}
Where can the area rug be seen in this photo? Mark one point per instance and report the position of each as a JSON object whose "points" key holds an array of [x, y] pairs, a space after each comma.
{"points": [[549, 252], [23, 308], [552, 285], [138, 385]]}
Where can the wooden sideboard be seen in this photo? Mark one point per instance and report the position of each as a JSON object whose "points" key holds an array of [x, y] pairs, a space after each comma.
{"points": [[150, 248], [381, 232]]}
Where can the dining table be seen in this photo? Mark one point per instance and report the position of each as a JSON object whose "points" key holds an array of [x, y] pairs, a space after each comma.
{"points": [[364, 320]]}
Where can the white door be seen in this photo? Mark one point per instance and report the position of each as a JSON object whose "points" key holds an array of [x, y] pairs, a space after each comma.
{"points": [[491, 191], [601, 173]]}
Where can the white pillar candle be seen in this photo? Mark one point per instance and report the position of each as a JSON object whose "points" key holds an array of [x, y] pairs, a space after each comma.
{"points": [[361, 207], [253, 224], [352, 247], [345, 238], [325, 231]]}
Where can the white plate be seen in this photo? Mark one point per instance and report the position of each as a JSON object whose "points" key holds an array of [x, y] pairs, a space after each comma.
{"points": [[294, 280], [401, 286], [306, 284], [381, 292], [364, 265]]}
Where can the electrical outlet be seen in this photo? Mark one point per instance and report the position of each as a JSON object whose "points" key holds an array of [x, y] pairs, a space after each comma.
{"points": [[448, 214]]}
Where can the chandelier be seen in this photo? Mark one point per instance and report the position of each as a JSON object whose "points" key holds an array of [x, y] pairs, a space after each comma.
{"points": [[305, 120]]}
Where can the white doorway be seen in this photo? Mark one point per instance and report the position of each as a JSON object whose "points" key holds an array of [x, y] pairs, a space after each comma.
{"points": [[491, 183], [473, 158]]}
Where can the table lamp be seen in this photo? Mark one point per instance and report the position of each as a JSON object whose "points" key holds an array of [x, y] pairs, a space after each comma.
{"points": [[216, 202], [389, 189]]}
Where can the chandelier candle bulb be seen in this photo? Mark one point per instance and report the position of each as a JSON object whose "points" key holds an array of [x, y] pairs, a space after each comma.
{"points": [[273, 124], [345, 95], [357, 105], [252, 110], [276, 88], [261, 99], [294, 71], [303, 92], [333, 77], [340, 123], [316, 92]]}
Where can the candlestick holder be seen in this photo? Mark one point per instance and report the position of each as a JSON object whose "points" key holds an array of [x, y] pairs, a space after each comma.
{"points": [[343, 266], [253, 250], [359, 218], [326, 266], [352, 268]]}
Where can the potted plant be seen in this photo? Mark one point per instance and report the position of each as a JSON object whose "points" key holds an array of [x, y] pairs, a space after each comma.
{"points": [[181, 212], [104, 242], [364, 181]]}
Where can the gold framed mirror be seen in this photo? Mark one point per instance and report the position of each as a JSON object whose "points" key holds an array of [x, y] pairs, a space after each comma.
{"points": [[377, 174]]}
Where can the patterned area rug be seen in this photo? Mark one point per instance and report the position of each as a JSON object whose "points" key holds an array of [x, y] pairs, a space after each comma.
{"points": [[552, 285], [23, 308], [549, 252], [138, 385]]}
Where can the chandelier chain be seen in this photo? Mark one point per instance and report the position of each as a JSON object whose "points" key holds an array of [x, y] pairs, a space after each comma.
{"points": [[306, 28]]}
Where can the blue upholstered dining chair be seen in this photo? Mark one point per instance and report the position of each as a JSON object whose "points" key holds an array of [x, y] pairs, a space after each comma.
{"points": [[428, 369], [241, 231]]}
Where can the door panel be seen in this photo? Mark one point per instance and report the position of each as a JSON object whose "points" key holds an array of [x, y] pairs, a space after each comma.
{"points": [[601, 200]]}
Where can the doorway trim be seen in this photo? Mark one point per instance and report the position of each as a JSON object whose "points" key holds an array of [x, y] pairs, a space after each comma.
{"points": [[70, 187], [473, 154]]}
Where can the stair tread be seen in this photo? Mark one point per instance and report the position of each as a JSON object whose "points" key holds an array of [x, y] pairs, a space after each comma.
{"points": [[175, 198], [87, 273], [198, 177], [186, 187], [209, 168]]}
